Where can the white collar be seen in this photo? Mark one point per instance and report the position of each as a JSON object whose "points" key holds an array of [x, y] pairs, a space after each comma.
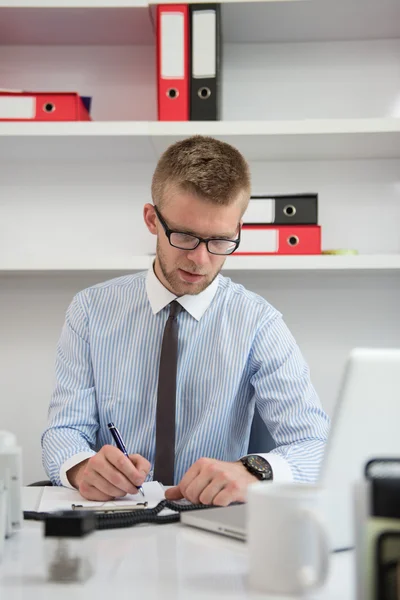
{"points": [[195, 305]]}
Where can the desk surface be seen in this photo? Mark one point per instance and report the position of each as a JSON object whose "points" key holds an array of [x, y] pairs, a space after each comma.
{"points": [[172, 562]]}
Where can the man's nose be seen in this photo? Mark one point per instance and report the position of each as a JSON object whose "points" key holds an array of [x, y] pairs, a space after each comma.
{"points": [[199, 255]]}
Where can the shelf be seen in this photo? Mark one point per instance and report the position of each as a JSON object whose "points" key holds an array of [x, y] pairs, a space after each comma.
{"points": [[223, 2], [75, 142], [311, 21], [71, 3], [314, 263], [258, 21], [377, 262], [109, 3], [314, 139], [76, 23], [133, 263]]}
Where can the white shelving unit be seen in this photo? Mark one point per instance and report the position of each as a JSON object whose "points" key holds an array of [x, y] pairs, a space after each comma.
{"points": [[93, 4], [255, 21], [314, 263], [107, 49], [310, 96], [371, 262], [311, 139], [73, 23], [96, 3]]}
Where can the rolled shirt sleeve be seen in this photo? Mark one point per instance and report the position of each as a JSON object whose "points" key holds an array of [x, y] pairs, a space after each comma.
{"points": [[288, 403]]}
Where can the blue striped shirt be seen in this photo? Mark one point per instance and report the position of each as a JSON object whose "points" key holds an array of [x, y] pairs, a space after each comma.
{"points": [[235, 351]]}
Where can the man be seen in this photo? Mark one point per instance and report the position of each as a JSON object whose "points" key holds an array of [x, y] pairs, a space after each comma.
{"points": [[234, 351]]}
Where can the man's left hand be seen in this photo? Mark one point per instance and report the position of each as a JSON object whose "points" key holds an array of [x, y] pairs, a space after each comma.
{"points": [[210, 481]]}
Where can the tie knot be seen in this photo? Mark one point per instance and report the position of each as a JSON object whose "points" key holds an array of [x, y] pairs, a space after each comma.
{"points": [[174, 309]]}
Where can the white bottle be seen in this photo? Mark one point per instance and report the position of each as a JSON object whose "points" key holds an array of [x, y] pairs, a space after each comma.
{"points": [[11, 475]]}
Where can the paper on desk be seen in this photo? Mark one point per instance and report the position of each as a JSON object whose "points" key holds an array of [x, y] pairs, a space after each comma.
{"points": [[61, 498]]}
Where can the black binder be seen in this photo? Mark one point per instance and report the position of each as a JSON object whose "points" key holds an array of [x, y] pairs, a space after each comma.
{"points": [[205, 62], [300, 209]]}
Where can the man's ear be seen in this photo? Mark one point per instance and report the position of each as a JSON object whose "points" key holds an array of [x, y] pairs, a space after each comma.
{"points": [[150, 218]]}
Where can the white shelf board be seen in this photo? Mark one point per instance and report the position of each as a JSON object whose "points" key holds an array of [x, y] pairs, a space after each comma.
{"points": [[313, 20], [161, 129], [247, 2], [366, 262], [109, 3], [314, 139], [132, 263], [75, 128], [72, 23], [314, 263], [87, 142], [85, 21], [72, 3]]}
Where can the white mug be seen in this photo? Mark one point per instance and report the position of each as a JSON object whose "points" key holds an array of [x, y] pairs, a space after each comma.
{"points": [[288, 543]]}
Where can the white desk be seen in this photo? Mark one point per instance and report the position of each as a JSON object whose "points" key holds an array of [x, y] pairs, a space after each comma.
{"points": [[172, 562]]}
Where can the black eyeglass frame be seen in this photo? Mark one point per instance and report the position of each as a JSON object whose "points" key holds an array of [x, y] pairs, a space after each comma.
{"points": [[205, 241]]}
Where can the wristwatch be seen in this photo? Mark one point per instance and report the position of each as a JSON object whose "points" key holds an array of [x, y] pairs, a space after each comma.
{"points": [[258, 466]]}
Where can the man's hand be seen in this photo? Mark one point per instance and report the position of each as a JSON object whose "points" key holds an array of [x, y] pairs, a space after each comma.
{"points": [[109, 474], [210, 481]]}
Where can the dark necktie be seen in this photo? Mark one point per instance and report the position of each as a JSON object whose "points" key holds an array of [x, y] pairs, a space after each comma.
{"points": [[166, 400]]}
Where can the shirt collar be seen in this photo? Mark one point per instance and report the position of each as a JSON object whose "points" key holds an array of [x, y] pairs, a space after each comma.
{"points": [[195, 305]]}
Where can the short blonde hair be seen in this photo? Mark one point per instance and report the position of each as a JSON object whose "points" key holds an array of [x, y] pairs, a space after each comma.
{"points": [[205, 167]]}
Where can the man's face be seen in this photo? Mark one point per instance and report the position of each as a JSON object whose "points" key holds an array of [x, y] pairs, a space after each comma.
{"points": [[191, 271]]}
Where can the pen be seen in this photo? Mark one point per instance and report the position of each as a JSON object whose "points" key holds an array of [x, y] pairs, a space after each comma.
{"points": [[117, 508], [120, 444]]}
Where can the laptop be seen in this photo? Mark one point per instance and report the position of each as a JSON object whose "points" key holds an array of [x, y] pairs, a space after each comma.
{"points": [[229, 520], [365, 425]]}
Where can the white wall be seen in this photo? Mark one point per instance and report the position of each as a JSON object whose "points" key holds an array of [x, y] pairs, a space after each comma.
{"points": [[311, 80]]}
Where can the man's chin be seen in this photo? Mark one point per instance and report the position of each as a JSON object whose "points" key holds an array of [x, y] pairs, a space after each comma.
{"points": [[190, 289]]}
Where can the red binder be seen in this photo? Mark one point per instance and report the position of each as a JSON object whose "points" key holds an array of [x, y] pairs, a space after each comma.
{"points": [[286, 239], [173, 62], [42, 106]]}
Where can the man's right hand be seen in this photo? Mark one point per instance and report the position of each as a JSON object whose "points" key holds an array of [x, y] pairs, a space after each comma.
{"points": [[109, 474]]}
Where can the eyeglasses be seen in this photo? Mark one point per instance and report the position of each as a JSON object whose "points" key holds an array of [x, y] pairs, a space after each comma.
{"points": [[186, 241]]}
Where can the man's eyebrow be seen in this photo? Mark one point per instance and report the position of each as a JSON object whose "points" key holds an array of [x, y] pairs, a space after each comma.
{"points": [[228, 236]]}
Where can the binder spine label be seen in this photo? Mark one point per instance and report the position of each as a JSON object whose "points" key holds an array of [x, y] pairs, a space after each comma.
{"points": [[260, 211], [172, 46], [204, 44], [259, 240], [12, 107]]}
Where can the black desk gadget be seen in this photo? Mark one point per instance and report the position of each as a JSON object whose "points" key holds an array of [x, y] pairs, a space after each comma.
{"points": [[107, 519]]}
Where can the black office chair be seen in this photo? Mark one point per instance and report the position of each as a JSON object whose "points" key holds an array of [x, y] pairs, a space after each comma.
{"points": [[45, 482], [260, 437]]}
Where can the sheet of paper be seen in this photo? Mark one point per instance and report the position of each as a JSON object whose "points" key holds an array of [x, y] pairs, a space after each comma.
{"points": [[61, 498]]}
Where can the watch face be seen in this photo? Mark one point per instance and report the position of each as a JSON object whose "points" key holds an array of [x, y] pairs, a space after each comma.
{"points": [[258, 463]]}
